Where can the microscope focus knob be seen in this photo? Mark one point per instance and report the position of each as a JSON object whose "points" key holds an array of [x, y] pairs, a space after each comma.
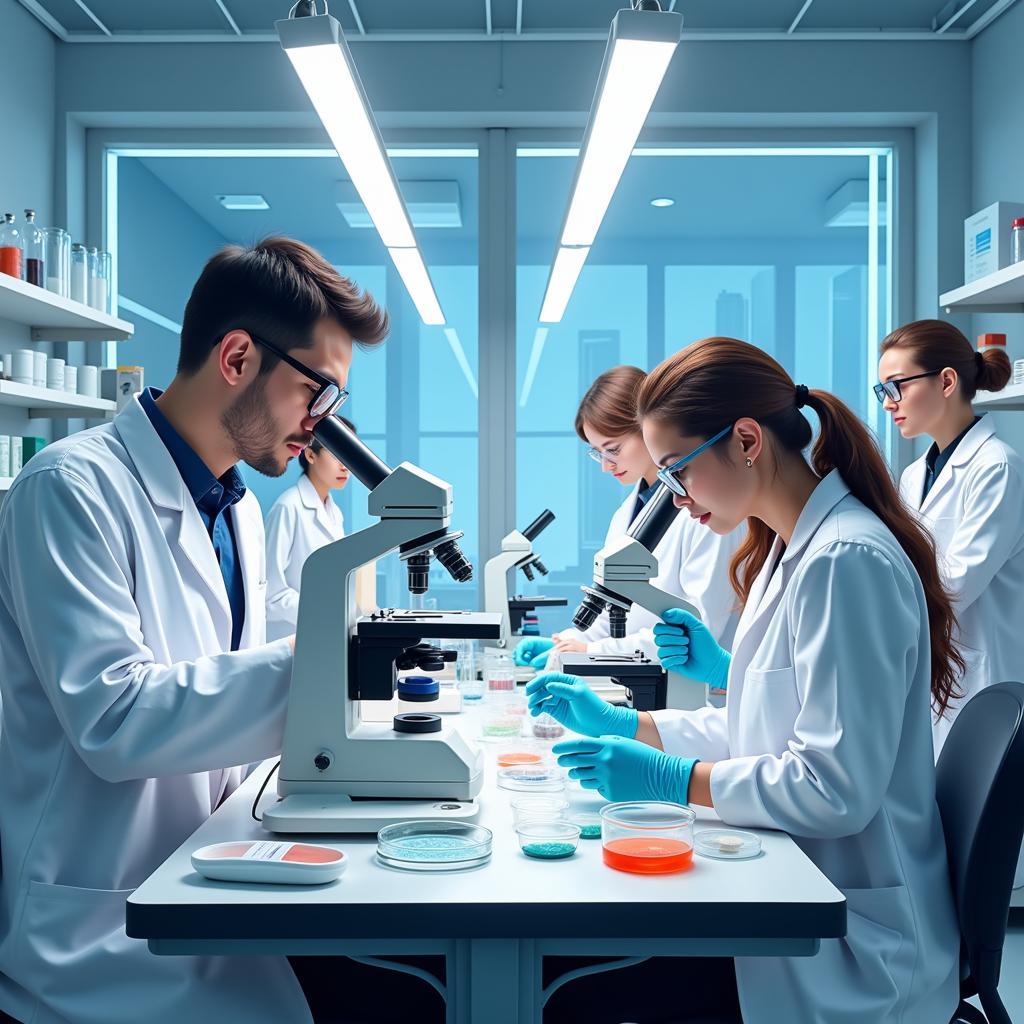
{"points": [[323, 760]]}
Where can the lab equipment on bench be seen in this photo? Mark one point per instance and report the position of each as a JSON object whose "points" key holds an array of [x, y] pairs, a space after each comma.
{"points": [[644, 680], [647, 837], [727, 844], [516, 552], [622, 574], [339, 772], [434, 845], [270, 861], [548, 840]]}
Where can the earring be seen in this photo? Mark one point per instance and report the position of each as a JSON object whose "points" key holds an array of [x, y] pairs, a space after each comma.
{"points": [[750, 463]]}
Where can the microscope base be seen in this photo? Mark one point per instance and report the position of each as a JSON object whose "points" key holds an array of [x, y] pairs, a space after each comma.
{"points": [[336, 813]]}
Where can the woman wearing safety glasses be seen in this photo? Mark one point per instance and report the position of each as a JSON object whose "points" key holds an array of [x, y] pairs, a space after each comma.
{"points": [[692, 562], [844, 646], [968, 489]]}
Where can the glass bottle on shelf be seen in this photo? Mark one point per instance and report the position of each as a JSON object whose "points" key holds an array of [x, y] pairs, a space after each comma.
{"points": [[79, 273], [57, 260], [10, 247], [35, 256], [102, 282], [93, 259]]}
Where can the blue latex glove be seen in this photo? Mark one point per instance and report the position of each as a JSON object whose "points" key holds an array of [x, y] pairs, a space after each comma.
{"points": [[569, 700], [685, 645], [626, 769], [533, 651]]}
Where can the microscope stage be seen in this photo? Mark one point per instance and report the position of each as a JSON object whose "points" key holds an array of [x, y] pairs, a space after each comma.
{"points": [[337, 814]]}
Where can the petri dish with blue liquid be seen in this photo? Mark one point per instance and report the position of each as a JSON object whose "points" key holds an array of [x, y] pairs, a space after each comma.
{"points": [[434, 845]]}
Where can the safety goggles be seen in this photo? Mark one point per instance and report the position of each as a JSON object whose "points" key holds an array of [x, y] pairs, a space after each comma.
{"points": [[609, 455], [891, 388], [668, 475], [331, 396]]}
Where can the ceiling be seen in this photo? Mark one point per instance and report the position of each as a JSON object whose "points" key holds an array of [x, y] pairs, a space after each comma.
{"points": [[85, 21], [714, 197]]}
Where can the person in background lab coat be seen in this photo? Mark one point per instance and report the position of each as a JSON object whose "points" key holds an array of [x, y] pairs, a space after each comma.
{"points": [[133, 665], [968, 489], [844, 644], [693, 563], [302, 520]]}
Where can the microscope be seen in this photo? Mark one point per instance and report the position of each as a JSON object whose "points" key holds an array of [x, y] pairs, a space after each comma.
{"points": [[622, 574], [339, 773], [516, 552]]}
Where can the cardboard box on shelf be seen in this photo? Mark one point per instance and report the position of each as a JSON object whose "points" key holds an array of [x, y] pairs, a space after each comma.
{"points": [[987, 239]]}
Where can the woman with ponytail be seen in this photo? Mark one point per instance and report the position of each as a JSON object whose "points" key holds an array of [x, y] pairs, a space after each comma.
{"points": [[844, 645], [968, 489]]}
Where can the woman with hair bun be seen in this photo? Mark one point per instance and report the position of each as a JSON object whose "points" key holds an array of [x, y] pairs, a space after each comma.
{"points": [[968, 489]]}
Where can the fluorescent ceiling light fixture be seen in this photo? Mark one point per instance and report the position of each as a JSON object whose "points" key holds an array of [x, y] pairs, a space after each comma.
{"points": [[850, 206], [568, 151], [317, 49], [564, 272], [413, 272], [431, 204], [249, 152], [243, 202], [663, 202], [321, 58], [129, 306], [640, 46]]}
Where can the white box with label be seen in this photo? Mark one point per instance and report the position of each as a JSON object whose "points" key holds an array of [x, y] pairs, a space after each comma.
{"points": [[987, 239]]}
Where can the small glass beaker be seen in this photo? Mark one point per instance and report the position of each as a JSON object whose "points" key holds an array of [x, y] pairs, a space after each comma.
{"points": [[499, 674], [647, 837]]}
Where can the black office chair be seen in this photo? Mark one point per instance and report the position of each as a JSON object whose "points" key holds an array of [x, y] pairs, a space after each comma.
{"points": [[979, 776]]}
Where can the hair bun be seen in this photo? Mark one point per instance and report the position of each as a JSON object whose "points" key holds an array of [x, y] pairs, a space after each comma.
{"points": [[994, 369]]}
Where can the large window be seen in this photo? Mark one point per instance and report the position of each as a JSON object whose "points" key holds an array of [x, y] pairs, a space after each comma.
{"points": [[777, 247]]}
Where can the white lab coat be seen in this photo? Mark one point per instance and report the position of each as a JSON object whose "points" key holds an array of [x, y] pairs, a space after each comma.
{"points": [[693, 563], [975, 511], [298, 524], [826, 735], [123, 710]]}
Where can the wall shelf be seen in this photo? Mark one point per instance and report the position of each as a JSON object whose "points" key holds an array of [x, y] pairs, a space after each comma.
{"points": [[43, 403], [55, 318], [1011, 397], [1001, 292]]}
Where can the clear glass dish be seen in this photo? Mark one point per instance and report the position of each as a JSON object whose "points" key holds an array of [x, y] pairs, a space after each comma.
{"points": [[532, 779], [647, 837], [727, 844], [433, 845], [539, 808], [548, 840]]}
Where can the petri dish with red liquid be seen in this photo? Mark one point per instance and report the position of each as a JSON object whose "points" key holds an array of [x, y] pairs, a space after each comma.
{"points": [[647, 837]]}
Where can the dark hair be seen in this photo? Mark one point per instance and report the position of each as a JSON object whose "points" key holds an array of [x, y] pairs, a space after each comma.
{"points": [[318, 447], [610, 403], [935, 344], [717, 381], [278, 289]]}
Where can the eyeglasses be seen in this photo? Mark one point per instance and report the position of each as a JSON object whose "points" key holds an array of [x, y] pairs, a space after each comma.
{"points": [[668, 475], [609, 455], [331, 396], [891, 388]]}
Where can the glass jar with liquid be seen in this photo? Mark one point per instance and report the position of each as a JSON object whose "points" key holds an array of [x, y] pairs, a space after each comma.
{"points": [[11, 247], [34, 251], [79, 281], [57, 260]]}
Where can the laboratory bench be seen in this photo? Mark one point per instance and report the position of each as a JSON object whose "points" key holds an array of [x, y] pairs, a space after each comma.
{"points": [[494, 924]]}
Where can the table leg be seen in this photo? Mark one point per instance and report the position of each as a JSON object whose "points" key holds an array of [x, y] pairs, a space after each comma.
{"points": [[494, 980]]}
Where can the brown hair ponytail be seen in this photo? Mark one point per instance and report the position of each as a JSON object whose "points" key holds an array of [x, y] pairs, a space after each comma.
{"points": [[935, 344], [717, 381]]}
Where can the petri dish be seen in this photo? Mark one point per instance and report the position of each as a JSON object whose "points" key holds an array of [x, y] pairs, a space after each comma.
{"points": [[531, 779], [726, 844], [589, 823], [433, 845], [548, 840], [647, 837], [540, 807]]}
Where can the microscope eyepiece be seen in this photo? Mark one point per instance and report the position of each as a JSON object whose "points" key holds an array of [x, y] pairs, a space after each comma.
{"points": [[450, 555], [586, 615]]}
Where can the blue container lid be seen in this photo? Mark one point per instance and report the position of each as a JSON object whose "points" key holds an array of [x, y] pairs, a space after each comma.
{"points": [[418, 686]]}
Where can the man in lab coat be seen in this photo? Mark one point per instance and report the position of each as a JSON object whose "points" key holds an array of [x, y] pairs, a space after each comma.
{"points": [[133, 670]]}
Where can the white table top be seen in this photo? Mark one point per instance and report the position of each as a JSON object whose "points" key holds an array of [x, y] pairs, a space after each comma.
{"points": [[780, 894]]}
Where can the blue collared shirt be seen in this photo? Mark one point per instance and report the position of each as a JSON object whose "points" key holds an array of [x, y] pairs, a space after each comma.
{"points": [[643, 496], [935, 461], [213, 498]]}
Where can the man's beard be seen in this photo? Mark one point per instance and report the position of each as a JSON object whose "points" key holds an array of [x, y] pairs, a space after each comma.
{"points": [[253, 431]]}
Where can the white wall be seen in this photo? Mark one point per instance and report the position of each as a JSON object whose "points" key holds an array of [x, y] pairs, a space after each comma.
{"points": [[27, 147], [998, 160]]}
